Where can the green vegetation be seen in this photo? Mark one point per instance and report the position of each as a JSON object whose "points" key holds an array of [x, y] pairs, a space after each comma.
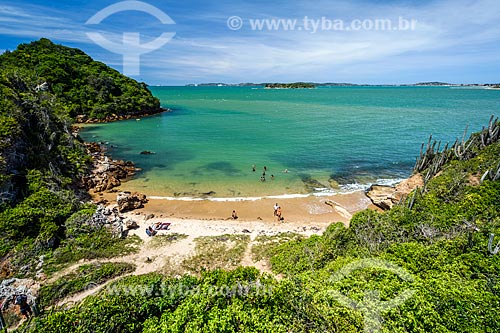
{"points": [[265, 247], [84, 86], [224, 252], [98, 244], [440, 235], [166, 239], [296, 85], [86, 276], [43, 87]]}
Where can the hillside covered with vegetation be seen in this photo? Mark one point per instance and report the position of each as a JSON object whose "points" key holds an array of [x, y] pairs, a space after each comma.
{"points": [[43, 87], [83, 86], [437, 247], [430, 264]]}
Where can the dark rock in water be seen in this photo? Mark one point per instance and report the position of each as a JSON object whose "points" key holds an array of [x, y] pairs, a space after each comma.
{"points": [[311, 183], [147, 152]]}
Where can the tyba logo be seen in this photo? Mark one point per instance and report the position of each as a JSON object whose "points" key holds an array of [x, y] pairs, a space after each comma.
{"points": [[131, 47]]}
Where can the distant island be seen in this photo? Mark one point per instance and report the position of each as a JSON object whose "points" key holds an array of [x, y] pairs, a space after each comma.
{"points": [[296, 85], [310, 85]]}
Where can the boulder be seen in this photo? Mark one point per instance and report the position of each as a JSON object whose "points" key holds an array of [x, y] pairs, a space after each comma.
{"points": [[131, 224], [129, 201], [387, 196], [382, 196]]}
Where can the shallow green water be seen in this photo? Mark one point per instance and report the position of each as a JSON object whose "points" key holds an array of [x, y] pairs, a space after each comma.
{"points": [[347, 135]]}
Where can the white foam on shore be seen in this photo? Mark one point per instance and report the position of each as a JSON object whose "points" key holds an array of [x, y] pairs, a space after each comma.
{"points": [[319, 192], [363, 187], [232, 199]]}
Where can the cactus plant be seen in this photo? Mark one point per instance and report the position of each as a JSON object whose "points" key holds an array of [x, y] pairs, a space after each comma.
{"points": [[492, 250]]}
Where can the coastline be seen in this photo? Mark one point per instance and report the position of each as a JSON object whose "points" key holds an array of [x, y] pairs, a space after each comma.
{"points": [[308, 210], [108, 177], [82, 119]]}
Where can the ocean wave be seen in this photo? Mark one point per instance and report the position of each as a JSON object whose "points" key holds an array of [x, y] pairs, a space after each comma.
{"points": [[363, 187], [232, 199]]}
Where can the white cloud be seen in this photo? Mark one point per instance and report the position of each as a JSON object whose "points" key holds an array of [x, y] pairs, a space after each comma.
{"points": [[449, 33]]}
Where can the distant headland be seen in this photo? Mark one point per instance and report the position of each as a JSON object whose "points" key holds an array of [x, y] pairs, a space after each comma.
{"points": [[310, 85]]}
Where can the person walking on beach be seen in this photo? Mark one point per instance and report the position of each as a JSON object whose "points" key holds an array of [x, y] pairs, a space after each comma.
{"points": [[234, 215], [278, 214], [276, 206]]}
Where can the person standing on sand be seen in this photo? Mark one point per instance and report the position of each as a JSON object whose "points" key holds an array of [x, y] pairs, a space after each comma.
{"points": [[234, 215], [278, 214], [276, 206]]}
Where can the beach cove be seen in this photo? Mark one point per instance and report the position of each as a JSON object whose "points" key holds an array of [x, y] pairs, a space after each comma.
{"points": [[312, 151], [330, 139]]}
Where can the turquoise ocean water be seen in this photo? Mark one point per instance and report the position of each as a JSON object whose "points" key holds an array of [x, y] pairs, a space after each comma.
{"points": [[330, 139]]}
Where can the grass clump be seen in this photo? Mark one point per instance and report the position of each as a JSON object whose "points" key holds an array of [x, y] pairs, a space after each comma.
{"points": [[163, 240], [265, 246], [97, 245], [81, 279], [212, 252]]}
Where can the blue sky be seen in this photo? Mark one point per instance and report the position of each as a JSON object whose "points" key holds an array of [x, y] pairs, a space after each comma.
{"points": [[454, 40]]}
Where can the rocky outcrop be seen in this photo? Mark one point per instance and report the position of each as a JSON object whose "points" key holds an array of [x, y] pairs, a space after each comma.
{"points": [[382, 196], [387, 196], [107, 173], [127, 201], [9, 288], [110, 217], [84, 119]]}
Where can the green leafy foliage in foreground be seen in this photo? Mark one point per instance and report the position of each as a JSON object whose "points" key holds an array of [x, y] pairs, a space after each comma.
{"points": [[86, 276], [347, 280], [43, 86]]}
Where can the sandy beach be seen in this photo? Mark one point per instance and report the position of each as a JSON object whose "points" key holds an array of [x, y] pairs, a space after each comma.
{"points": [[321, 210]]}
